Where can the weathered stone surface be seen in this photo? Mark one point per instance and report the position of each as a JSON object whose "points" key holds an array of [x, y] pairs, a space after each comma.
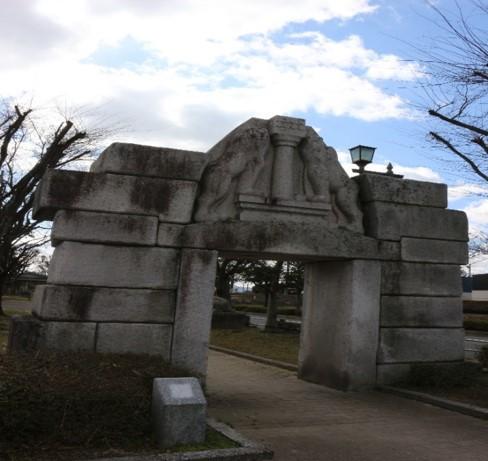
{"points": [[24, 334], [341, 300], [434, 251], [276, 160], [421, 311], [420, 279], [194, 310], [390, 221], [170, 200], [90, 304], [160, 162], [284, 239], [420, 345], [69, 336], [179, 411], [392, 373], [134, 338], [76, 263], [170, 235], [383, 188], [82, 226]]}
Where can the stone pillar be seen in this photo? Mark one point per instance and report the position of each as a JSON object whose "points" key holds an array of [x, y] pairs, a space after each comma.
{"points": [[340, 324], [193, 315], [286, 133]]}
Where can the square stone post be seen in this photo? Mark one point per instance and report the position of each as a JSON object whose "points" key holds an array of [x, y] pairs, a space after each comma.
{"points": [[193, 316], [340, 324]]}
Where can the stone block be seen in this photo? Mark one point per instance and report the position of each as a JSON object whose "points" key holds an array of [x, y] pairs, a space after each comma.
{"points": [[24, 334], [194, 311], [341, 300], [179, 411], [420, 345], [272, 240], [421, 311], [87, 264], [390, 221], [170, 200], [395, 373], [382, 188], [160, 162], [400, 278], [90, 304], [69, 336], [434, 251], [134, 338], [170, 235], [392, 373], [82, 226]]}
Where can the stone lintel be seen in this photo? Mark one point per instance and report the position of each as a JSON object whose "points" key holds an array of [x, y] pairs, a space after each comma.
{"points": [[400, 278], [399, 345], [285, 239], [90, 304], [384, 188], [434, 251], [113, 266], [134, 338], [160, 162], [421, 311], [84, 226], [390, 221], [170, 200]]}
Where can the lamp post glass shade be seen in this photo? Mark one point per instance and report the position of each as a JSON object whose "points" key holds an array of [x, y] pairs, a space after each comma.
{"points": [[362, 155]]}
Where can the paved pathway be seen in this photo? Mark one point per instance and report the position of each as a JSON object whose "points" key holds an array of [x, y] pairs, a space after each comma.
{"points": [[304, 422]]}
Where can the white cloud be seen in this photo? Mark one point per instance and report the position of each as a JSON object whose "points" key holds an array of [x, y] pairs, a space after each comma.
{"points": [[206, 65], [461, 191], [478, 213]]}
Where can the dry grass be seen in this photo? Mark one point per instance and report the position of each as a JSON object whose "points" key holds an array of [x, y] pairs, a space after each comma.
{"points": [[276, 346], [80, 405]]}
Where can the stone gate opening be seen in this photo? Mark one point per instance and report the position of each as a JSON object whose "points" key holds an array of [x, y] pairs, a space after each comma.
{"points": [[137, 239]]}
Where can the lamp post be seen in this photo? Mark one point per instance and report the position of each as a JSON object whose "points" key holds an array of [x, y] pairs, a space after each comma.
{"points": [[362, 156]]}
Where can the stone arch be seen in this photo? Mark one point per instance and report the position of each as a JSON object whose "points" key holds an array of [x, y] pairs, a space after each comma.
{"points": [[137, 239]]}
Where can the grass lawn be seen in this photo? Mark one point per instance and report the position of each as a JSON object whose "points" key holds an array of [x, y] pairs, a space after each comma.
{"points": [[83, 405], [260, 309], [477, 322], [277, 346]]}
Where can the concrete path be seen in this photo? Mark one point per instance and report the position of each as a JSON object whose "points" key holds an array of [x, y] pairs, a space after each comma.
{"points": [[304, 422]]}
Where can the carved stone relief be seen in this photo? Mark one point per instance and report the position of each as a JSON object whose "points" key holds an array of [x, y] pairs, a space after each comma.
{"points": [[235, 171], [277, 169]]}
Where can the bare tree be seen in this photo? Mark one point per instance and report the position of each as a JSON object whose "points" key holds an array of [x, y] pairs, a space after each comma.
{"points": [[456, 66], [21, 138]]}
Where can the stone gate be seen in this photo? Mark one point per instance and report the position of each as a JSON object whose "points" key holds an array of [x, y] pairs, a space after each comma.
{"points": [[136, 241]]}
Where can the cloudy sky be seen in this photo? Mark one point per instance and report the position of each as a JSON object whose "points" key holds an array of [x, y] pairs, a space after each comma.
{"points": [[182, 73]]}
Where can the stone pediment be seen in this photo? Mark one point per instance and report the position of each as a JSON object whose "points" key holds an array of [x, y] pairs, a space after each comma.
{"points": [[277, 170]]}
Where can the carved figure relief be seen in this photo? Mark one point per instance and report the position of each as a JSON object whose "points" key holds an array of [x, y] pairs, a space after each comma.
{"points": [[235, 171], [277, 169], [328, 179]]}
